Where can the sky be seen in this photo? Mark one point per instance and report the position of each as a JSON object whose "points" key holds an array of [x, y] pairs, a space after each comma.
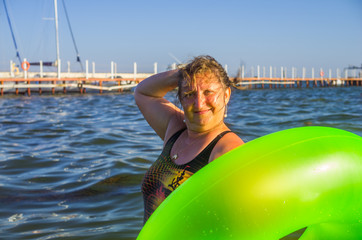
{"points": [[278, 33]]}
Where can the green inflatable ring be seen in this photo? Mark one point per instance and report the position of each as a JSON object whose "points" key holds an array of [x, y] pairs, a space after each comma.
{"points": [[268, 188]]}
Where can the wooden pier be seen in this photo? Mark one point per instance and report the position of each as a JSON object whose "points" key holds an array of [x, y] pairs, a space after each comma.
{"points": [[52, 85], [19, 80], [261, 83], [26, 82], [15, 82]]}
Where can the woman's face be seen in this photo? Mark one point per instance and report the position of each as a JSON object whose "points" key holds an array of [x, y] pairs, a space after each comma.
{"points": [[204, 103]]}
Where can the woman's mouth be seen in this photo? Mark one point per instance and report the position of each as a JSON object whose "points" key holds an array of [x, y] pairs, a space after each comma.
{"points": [[200, 112]]}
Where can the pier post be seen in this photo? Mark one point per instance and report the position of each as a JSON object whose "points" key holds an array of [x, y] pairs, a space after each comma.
{"points": [[119, 84], [346, 76], [41, 68], [86, 69], [338, 76], [26, 74], [285, 72], [26, 77], [303, 76], [270, 73], [112, 70], [64, 88], [155, 68], [11, 69], [134, 71], [315, 81], [59, 75], [251, 77], [257, 74], [329, 77], [263, 78], [25, 70], [293, 76], [29, 92], [59, 67], [53, 89]]}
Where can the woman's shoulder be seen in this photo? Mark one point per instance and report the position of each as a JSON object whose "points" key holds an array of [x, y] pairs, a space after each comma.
{"points": [[175, 124], [227, 143]]}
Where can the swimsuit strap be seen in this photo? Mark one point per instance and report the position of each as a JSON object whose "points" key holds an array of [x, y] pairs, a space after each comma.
{"points": [[202, 157], [205, 154], [171, 141]]}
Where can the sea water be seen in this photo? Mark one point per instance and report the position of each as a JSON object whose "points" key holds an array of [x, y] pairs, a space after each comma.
{"points": [[71, 166]]}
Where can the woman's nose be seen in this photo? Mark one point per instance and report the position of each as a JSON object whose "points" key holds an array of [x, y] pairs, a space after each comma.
{"points": [[199, 100]]}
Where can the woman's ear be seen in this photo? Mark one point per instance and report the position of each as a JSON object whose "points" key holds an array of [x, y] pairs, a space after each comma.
{"points": [[227, 95]]}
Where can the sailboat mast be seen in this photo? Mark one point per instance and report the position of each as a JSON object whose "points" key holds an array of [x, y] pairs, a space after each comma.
{"points": [[12, 33], [57, 34]]}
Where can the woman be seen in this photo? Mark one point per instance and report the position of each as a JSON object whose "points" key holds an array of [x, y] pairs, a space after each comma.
{"points": [[194, 136]]}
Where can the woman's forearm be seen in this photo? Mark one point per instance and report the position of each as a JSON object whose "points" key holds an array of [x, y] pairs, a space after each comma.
{"points": [[159, 84]]}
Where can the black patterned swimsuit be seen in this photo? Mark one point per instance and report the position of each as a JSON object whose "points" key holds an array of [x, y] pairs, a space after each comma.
{"points": [[164, 176]]}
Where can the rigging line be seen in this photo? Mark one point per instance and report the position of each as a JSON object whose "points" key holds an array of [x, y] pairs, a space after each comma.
{"points": [[71, 32], [12, 33]]}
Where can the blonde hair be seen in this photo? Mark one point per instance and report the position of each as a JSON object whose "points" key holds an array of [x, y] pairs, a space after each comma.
{"points": [[201, 65]]}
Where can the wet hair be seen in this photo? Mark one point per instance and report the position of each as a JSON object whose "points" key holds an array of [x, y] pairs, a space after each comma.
{"points": [[200, 65]]}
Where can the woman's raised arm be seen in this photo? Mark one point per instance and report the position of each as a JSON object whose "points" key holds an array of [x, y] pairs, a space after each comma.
{"points": [[149, 96]]}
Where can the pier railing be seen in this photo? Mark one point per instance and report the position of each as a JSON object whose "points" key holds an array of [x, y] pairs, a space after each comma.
{"points": [[20, 80], [24, 81], [64, 85], [255, 82]]}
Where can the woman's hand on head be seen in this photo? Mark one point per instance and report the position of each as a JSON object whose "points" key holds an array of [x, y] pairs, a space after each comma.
{"points": [[158, 111]]}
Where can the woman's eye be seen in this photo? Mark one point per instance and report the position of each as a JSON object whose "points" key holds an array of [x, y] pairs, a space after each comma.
{"points": [[188, 94], [208, 92]]}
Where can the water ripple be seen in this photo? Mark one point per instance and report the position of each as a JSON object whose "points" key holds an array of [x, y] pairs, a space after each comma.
{"points": [[71, 165]]}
